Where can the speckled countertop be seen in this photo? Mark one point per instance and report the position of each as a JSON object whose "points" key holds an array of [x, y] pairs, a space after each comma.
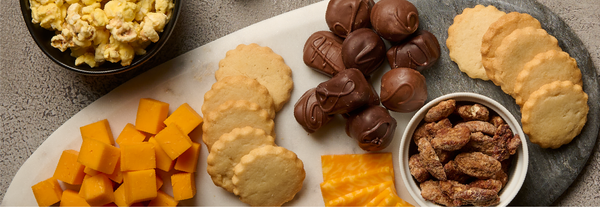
{"points": [[37, 96]]}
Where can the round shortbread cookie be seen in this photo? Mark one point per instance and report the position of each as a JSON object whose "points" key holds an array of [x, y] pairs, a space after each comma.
{"points": [[235, 114], [554, 114], [229, 149], [262, 64], [545, 68], [496, 32], [268, 176], [238, 87], [518, 48], [464, 38]]}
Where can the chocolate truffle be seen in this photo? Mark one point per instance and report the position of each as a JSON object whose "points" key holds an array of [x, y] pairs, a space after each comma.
{"points": [[420, 52], [394, 20], [403, 90], [308, 112], [364, 50], [346, 91], [345, 16], [373, 128], [323, 53]]}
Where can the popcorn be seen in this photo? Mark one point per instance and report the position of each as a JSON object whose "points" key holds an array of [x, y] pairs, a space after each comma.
{"points": [[49, 16], [152, 24]]}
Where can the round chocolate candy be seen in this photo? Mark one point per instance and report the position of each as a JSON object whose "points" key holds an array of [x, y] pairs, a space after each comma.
{"points": [[345, 16], [420, 52], [308, 112], [403, 90], [394, 20], [364, 50], [323, 53], [346, 91], [373, 128]]}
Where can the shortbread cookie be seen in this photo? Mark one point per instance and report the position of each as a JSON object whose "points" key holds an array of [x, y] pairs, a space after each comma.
{"points": [[262, 64], [497, 31], [268, 176], [229, 149], [545, 68], [464, 38], [554, 114], [516, 49], [235, 114], [237, 88]]}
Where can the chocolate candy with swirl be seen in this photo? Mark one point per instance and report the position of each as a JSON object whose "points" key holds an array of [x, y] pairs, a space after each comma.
{"points": [[345, 16], [346, 91], [394, 20], [420, 52], [363, 49], [323, 53], [308, 112], [403, 90], [373, 128]]}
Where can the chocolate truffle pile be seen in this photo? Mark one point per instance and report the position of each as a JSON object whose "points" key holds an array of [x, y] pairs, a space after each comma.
{"points": [[350, 52]]}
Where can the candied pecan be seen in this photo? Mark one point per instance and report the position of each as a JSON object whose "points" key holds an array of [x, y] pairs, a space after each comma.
{"points": [[479, 142], [473, 112], [477, 164], [490, 184], [513, 144], [444, 155], [451, 139], [428, 130], [430, 160], [497, 121], [417, 170], [479, 126], [501, 140], [440, 111], [431, 191], [452, 172], [501, 176], [478, 196]]}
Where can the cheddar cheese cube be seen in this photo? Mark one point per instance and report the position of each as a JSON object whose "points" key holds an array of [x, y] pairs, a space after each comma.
{"points": [[360, 197], [137, 156], [72, 198], [47, 192], [91, 172], [140, 185], [163, 161], [151, 115], [159, 182], [185, 117], [337, 187], [335, 166], [184, 185], [188, 161], [117, 175], [98, 156], [163, 199], [97, 190], [120, 199], [68, 169], [173, 141], [99, 130], [130, 135]]}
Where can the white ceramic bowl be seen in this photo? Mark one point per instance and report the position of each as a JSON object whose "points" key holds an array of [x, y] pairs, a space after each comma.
{"points": [[517, 172]]}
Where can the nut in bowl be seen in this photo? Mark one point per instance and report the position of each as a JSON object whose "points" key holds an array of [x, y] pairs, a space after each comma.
{"points": [[462, 143]]}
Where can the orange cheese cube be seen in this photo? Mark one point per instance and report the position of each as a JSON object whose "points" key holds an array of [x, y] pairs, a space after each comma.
{"points": [[159, 182], [117, 175], [120, 197], [68, 169], [188, 161], [163, 161], [97, 190], [90, 171], [163, 199], [47, 192], [72, 198], [173, 141], [337, 187], [140, 185], [184, 185], [130, 135], [98, 156], [343, 165], [137, 156], [185, 117], [99, 130], [150, 115], [360, 197]]}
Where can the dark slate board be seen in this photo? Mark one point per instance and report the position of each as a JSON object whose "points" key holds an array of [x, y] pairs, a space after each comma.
{"points": [[551, 171]]}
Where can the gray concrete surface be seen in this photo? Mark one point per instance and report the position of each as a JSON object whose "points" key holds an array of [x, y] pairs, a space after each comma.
{"points": [[37, 96]]}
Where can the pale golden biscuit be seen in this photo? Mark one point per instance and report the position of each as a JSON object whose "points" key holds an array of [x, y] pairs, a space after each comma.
{"points": [[464, 38], [268, 176], [238, 88], [262, 64], [235, 114], [554, 114], [518, 48], [229, 149], [497, 31], [545, 68]]}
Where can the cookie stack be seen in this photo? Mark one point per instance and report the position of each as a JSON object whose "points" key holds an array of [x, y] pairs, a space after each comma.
{"points": [[528, 64], [253, 83]]}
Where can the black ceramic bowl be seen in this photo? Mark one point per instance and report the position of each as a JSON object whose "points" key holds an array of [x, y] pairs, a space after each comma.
{"points": [[42, 39]]}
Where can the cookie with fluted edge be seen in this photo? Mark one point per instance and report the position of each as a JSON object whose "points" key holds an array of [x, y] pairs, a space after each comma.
{"points": [[262, 64], [235, 114], [229, 149], [496, 32], [464, 38], [238, 87], [545, 68], [555, 113], [268, 176]]}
